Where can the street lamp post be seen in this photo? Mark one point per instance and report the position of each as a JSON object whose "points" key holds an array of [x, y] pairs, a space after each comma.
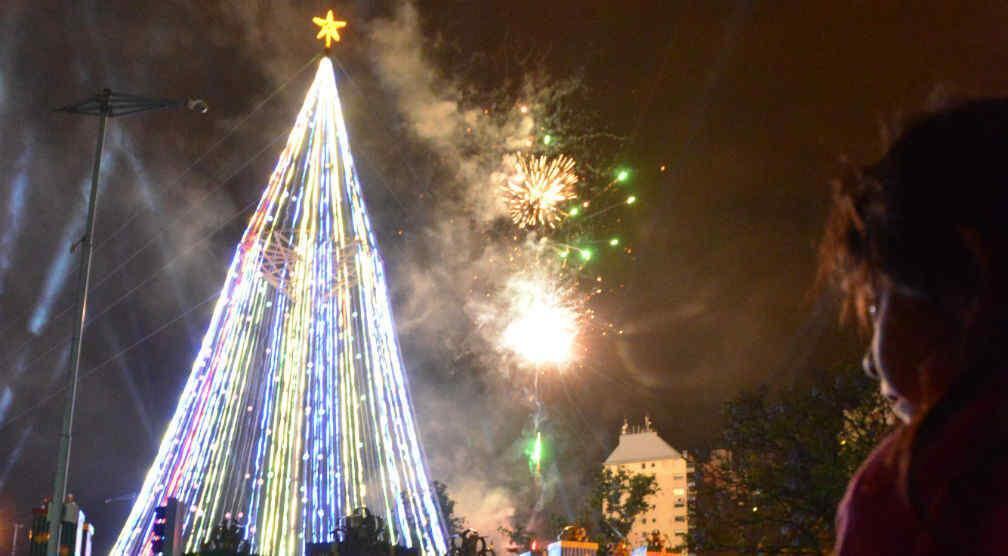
{"points": [[14, 541], [106, 104]]}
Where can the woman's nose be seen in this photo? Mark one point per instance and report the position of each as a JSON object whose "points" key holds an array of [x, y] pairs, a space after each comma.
{"points": [[868, 364]]}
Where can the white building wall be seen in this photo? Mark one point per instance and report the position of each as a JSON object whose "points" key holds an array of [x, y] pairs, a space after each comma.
{"points": [[643, 451], [669, 513]]}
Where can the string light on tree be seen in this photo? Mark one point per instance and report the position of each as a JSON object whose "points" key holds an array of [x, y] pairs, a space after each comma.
{"points": [[297, 408]]}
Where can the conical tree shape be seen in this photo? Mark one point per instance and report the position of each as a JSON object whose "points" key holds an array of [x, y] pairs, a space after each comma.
{"points": [[297, 409]]}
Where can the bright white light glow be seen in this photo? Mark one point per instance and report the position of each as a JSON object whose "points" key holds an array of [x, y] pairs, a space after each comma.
{"points": [[544, 323]]}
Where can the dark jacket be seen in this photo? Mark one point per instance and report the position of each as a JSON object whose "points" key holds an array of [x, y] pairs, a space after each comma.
{"points": [[957, 500]]}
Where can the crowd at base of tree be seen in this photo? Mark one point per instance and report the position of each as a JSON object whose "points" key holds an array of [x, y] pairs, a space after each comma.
{"points": [[360, 534], [226, 539], [782, 465]]}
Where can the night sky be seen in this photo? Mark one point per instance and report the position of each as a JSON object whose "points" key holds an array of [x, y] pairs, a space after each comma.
{"points": [[748, 106]]}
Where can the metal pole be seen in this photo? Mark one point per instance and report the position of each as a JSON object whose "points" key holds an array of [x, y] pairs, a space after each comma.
{"points": [[87, 250], [17, 528]]}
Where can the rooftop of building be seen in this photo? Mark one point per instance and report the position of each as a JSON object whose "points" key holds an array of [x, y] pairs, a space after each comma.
{"points": [[641, 444]]}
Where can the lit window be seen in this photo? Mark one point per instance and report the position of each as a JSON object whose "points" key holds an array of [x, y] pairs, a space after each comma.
{"points": [[679, 491]]}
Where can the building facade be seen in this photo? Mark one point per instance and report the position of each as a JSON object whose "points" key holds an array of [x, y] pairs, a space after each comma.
{"points": [[641, 450]]}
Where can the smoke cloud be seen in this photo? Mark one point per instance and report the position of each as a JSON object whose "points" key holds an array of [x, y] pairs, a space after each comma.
{"points": [[457, 286]]}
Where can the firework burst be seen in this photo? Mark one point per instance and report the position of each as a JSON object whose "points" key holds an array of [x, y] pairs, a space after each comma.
{"points": [[535, 192], [544, 321]]}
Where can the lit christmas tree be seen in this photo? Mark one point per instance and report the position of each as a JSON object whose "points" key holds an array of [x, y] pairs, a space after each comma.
{"points": [[297, 408]]}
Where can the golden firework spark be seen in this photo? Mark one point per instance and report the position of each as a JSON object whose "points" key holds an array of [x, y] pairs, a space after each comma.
{"points": [[539, 186]]}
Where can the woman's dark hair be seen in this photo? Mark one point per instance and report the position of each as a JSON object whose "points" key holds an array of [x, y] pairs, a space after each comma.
{"points": [[901, 220], [906, 222]]}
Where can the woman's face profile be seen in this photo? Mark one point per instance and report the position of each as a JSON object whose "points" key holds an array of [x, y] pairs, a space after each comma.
{"points": [[909, 338]]}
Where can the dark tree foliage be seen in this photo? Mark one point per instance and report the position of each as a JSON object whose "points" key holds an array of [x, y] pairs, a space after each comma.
{"points": [[470, 543], [612, 506], [453, 523], [519, 536], [773, 485], [616, 501]]}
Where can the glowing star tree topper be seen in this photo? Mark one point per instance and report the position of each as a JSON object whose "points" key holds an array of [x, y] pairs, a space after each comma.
{"points": [[297, 409], [328, 28]]}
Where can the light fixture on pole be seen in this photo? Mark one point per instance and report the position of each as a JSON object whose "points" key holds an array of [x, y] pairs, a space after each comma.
{"points": [[106, 104]]}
